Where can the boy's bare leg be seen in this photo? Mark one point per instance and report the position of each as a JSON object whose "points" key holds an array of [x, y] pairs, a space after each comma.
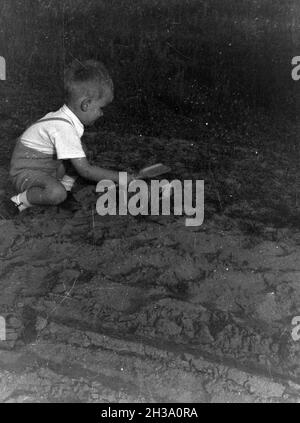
{"points": [[46, 191], [42, 190]]}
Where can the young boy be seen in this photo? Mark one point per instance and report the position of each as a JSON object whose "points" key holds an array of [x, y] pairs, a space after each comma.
{"points": [[37, 170]]}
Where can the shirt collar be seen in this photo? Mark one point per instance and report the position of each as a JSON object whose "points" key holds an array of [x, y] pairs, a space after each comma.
{"points": [[74, 119]]}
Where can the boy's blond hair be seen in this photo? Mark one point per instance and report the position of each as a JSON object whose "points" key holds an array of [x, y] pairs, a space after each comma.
{"points": [[86, 79]]}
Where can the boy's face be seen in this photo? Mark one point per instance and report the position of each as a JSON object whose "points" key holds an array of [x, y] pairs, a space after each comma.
{"points": [[95, 105]]}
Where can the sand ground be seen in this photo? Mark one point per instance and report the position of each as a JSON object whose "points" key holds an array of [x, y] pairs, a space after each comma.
{"points": [[145, 308]]}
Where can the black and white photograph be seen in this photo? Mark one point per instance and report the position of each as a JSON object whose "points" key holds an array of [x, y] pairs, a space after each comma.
{"points": [[149, 204]]}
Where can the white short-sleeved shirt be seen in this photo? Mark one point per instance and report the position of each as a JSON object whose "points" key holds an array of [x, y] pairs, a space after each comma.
{"points": [[56, 137]]}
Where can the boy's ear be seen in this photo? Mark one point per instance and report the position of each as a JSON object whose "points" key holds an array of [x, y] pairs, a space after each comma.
{"points": [[85, 104]]}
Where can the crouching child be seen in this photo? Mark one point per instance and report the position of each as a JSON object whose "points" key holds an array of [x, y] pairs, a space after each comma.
{"points": [[37, 168]]}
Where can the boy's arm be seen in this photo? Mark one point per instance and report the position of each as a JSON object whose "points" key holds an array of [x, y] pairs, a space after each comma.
{"points": [[95, 173]]}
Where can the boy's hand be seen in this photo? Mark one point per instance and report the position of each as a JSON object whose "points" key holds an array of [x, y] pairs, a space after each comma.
{"points": [[131, 177]]}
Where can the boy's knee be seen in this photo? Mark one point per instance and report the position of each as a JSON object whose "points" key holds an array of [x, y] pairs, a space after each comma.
{"points": [[56, 194]]}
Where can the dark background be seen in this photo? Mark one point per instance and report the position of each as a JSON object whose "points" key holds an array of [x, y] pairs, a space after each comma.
{"points": [[217, 58]]}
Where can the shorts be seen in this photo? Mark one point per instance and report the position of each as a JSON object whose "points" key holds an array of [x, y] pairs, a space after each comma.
{"points": [[29, 178], [34, 178]]}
